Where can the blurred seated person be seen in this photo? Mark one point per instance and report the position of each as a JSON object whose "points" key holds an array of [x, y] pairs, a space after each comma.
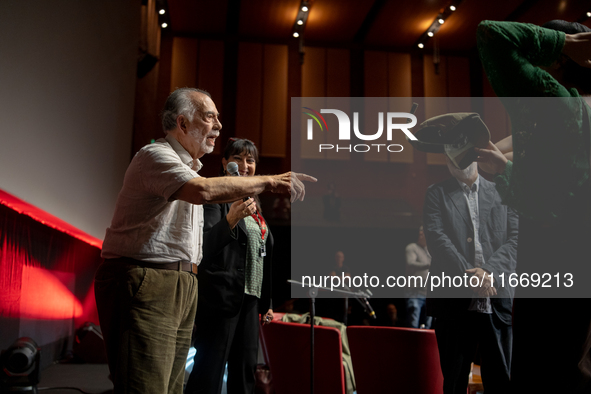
{"points": [[332, 204], [336, 307], [418, 261], [391, 316], [339, 267]]}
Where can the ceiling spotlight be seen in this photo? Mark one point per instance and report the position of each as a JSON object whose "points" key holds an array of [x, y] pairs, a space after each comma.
{"points": [[164, 25], [300, 22], [305, 9], [421, 45], [452, 7], [588, 14], [162, 12], [441, 21], [430, 34], [296, 34]]}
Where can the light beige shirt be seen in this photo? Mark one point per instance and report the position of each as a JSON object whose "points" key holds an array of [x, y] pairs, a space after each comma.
{"points": [[477, 304], [147, 224]]}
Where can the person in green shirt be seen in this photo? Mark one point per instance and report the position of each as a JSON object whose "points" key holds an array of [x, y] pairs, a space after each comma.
{"points": [[541, 75]]}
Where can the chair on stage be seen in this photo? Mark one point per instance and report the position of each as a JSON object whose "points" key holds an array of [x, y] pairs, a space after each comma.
{"points": [[395, 360], [286, 348]]}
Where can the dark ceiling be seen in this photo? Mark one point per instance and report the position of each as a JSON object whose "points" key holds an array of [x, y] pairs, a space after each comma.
{"points": [[394, 25]]}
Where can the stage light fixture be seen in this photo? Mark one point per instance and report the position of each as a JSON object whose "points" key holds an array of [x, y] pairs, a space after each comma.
{"points": [[588, 14], [301, 19], [439, 20], [161, 8], [20, 366]]}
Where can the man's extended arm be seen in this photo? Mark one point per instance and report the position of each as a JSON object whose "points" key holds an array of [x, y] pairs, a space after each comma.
{"points": [[226, 189]]}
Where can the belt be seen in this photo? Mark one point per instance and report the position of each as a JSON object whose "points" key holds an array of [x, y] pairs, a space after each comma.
{"points": [[181, 265]]}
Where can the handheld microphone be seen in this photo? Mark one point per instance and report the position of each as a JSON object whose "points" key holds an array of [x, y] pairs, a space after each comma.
{"points": [[232, 169]]}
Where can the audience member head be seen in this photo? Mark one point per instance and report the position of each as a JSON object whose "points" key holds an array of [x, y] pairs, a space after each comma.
{"points": [[339, 259], [392, 314], [422, 241]]}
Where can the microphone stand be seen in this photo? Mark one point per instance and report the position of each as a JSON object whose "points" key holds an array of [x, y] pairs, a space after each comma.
{"points": [[313, 292], [365, 304]]}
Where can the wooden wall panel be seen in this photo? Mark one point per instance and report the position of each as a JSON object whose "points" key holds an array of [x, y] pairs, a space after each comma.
{"points": [[337, 85], [314, 72], [458, 84], [494, 115], [210, 71], [338, 73], [314, 84], [376, 74], [458, 72], [199, 64], [184, 62], [400, 93], [325, 73], [401, 104], [210, 75], [388, 75], [309, 148], [435, 86], [249, 92], [496, 119], [399, 75], [376, 85], [274, 120]]}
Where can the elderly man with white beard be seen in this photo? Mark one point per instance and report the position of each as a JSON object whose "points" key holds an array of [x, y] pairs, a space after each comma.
{"points": [[146, 289]]}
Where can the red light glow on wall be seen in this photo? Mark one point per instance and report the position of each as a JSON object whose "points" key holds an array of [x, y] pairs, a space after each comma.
{"points": [[42, 296]]}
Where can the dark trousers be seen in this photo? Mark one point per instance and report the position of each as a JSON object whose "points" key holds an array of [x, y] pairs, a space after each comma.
{"points": [[220, 339], [146, 318], [458, 338]]}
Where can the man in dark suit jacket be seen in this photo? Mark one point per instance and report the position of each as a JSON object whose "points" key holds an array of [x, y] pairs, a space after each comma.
{"points": [[470, 232]]}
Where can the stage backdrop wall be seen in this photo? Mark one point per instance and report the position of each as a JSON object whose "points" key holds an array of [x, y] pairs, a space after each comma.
{"points": [[67, 77]]}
